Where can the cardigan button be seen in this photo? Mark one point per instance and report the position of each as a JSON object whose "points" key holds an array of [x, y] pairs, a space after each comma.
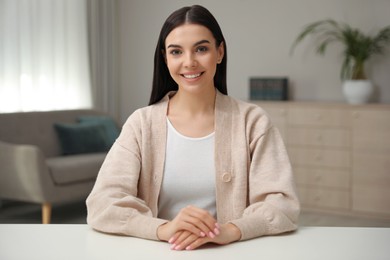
{"points": [[226, 177]]}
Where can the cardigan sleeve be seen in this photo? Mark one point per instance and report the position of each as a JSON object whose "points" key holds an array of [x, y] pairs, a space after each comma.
{"points": [[273, 204], [113, 205]]}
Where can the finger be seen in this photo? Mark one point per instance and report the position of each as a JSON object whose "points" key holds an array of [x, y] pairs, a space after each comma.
{"points": [[197, 243], [183, 236], [199, 224], [201, 214], [186, 242], [192, 228], [202, 219], [173, 239]]}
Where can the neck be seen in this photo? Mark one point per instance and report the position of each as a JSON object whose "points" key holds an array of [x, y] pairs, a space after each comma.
{"points": [[193, 104]]}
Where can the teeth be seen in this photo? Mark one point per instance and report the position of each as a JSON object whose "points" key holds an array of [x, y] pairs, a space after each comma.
{"points": [[192, 76]]}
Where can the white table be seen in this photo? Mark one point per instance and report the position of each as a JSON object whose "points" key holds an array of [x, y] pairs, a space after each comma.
{"points": [[26, 241]]}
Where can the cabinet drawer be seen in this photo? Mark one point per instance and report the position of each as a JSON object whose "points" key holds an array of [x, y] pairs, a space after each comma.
{"points": [[319, 137], [324, 198], [371, 199], [369, 167], [371, 182], [322, 177], [371, 130], [371, 119], [318, 117], [371, 140], [318, 157]]}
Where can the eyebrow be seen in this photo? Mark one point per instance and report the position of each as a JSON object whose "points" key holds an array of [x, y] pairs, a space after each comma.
{"points": [[196, 44]]}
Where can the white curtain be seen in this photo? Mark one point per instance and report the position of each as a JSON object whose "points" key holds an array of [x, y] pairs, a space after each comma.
{"points": [[102, 29], [44, 60]]}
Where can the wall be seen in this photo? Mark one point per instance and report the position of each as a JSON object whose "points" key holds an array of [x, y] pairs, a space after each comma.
{"points": [[259, 34]]}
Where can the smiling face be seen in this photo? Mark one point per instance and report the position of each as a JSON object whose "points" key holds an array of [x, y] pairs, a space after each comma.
{"points": [[192, 56]]}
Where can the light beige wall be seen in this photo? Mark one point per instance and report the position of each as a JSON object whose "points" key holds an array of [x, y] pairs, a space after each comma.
{"points": [[259, 34]]}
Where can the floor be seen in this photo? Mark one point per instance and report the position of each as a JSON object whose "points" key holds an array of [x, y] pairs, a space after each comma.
{"points": [[27, 213], [75, 213]]}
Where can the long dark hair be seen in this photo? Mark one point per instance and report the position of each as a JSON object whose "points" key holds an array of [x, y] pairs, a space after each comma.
{"points": [[196, 14]]}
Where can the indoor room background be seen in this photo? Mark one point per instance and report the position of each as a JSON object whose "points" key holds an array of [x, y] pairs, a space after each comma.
{"points": [[259, 35]]}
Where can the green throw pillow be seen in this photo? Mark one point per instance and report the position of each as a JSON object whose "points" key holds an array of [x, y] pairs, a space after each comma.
{"points": [[82, 138], [108, 123]]}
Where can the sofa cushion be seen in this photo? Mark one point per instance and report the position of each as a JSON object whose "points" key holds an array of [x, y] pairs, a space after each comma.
{"points": [[82, 138], [36, 128], [111, 128], [71, 169]]}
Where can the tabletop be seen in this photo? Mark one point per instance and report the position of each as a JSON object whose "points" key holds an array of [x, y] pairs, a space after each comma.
{"points": [[36, 241]]}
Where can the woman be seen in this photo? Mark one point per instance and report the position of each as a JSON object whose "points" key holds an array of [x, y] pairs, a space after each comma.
{"points": [[195, 166]]}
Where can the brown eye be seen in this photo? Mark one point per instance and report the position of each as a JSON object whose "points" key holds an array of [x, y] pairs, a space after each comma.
{"points": [[175, 52], [202, 49]]}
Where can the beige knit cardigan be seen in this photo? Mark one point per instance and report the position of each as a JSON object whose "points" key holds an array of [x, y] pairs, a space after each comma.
{"points": [[254, 183]]}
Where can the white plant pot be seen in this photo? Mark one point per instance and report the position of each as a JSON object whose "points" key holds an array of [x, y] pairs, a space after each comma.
{"points": [[357, 91]]}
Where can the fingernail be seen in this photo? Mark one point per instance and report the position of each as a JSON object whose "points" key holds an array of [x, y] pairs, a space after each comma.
{"points": [[216, 231], [211, 234], [202, 234], [170, 240], [173, 246], [217, 225], [188, 248], [177, 247]]}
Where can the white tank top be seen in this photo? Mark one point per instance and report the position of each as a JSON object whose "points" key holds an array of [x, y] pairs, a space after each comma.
{"points": [[189, 174]]}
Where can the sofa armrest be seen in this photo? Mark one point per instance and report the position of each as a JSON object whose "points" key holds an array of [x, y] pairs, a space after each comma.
{"points": [[23, 172]]}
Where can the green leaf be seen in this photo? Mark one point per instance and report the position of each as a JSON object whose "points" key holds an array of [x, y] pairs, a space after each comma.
{"points": [[358, 47]]}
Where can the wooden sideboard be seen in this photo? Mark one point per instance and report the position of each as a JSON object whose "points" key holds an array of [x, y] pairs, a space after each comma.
{"points": [[340, 154]]}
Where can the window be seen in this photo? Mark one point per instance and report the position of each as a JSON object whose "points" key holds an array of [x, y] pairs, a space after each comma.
{"points": [[44, 63]]}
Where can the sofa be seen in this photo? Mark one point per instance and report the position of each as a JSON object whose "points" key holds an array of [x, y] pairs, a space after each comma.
{"points": [[37, 162]]}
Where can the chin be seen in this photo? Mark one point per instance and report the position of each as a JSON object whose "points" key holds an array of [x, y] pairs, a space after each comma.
{"points": [[195, 89]]}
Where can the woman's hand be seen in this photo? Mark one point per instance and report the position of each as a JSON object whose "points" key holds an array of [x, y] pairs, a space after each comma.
{"points": [[189, 241], [195, 220]]}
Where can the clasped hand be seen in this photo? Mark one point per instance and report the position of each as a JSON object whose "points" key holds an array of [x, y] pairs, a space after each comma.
{"points": [[193, 227]]}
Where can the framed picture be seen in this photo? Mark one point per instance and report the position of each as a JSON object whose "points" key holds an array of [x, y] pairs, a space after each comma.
{"points": [[268, 88]]}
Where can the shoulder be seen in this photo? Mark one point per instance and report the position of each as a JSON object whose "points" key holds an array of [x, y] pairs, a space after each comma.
{"points": [[139, 125], [143, 123], [145, 116]]}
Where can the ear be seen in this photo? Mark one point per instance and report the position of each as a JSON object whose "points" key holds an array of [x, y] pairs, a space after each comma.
{"points": [[221, 53]]}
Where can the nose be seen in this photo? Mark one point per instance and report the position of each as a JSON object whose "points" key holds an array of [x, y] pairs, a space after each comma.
{"points": [[190, 61]]}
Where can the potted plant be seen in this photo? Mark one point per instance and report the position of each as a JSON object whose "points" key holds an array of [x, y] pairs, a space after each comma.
{"points": [[358, 48]]}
